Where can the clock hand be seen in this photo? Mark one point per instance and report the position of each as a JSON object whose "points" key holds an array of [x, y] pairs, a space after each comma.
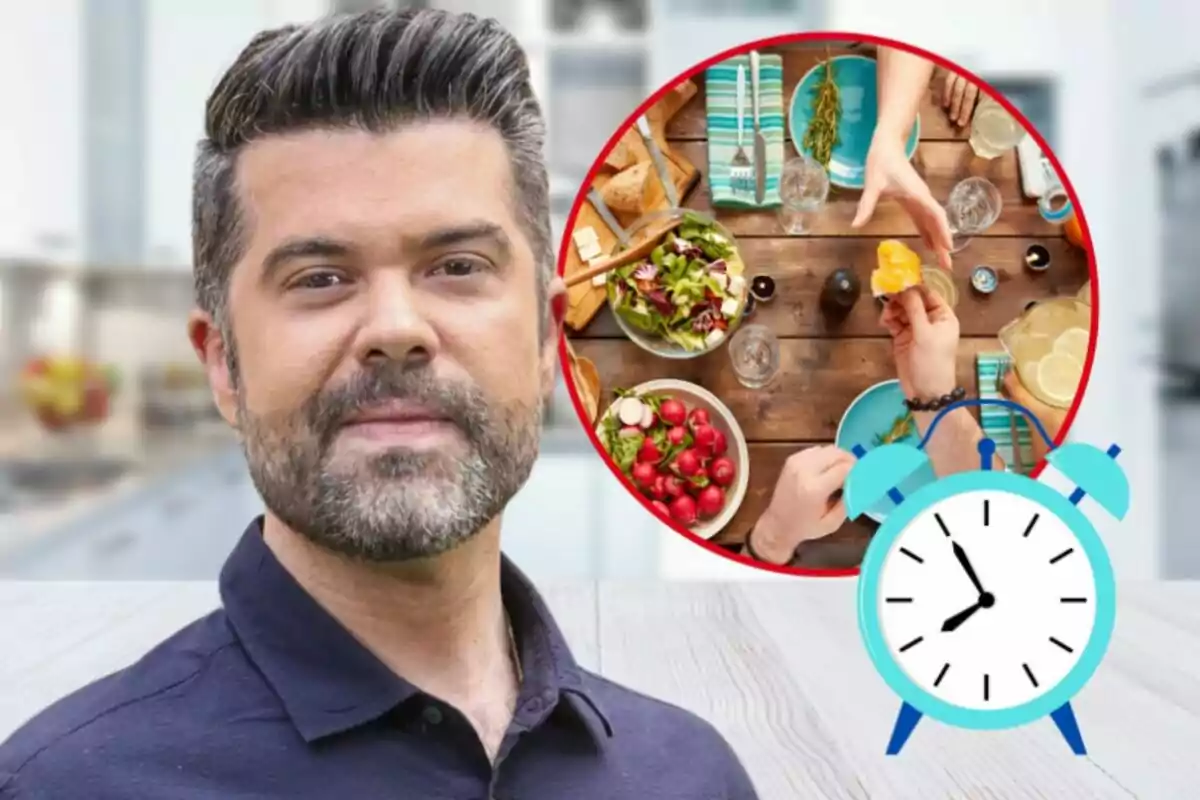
{"points": [[958, 619], [961, 555], [985, 601]]}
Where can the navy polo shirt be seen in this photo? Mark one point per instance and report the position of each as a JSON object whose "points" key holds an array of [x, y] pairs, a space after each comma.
{"points": [[269, 697]]}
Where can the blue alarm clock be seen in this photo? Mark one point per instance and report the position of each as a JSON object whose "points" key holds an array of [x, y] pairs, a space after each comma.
{"points": [[986, 599]]}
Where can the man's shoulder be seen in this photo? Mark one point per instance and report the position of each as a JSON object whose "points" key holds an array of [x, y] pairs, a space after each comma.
{"points": [[672, 729], [120, 709]]}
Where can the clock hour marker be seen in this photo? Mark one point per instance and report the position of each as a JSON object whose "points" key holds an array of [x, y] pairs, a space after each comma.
{"points": [[912, 555], [945, 530], [913, 643], [942, 674], [1062, 555], [1032, 522], [900, 600], [985, 513], [1073, 600], [1029, 673], [1060, 644], [985, 686]]}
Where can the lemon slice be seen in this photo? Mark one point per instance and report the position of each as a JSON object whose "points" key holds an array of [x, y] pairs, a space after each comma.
{"points": [[1074, 343], [1058, 377]]}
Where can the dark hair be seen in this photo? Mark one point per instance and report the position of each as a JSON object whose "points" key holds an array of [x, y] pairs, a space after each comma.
{"points": [[374, 70]]}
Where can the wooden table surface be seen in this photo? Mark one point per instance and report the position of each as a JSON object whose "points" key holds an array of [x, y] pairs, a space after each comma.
{"points": [[778, 667], [824, 367]]}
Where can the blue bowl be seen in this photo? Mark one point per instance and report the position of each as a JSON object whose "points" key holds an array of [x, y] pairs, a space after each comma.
{"points": [[855, 76], [872, 414]]}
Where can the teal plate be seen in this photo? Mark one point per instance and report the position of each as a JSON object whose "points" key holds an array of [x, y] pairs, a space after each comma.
{"points": [[872, 414], [855, 76]]}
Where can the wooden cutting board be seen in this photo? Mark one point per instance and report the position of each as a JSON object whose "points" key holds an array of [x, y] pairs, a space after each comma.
{"points": [[585, 299]]}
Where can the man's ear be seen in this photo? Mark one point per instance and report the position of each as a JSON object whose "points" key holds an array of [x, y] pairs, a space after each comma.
{"points": [[209, 345], [556, 296]]}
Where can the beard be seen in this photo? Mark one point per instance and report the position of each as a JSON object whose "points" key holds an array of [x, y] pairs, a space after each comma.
{"points": [[399, 504]]}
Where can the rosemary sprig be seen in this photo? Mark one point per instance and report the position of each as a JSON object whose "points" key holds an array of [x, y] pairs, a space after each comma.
{"points": [[821, 136]]}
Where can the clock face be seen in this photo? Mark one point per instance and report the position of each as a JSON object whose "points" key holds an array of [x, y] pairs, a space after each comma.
{"points": [[1006, 638]]}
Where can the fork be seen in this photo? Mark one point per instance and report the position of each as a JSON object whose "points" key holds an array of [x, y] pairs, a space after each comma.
{"points": [[740, 173]]}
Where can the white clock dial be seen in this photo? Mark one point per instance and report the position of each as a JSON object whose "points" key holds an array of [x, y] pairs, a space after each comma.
{"points": [[1036, 611]]}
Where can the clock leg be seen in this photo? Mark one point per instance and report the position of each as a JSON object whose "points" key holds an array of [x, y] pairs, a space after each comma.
{"points": [[906, 720], [1064, 718]]}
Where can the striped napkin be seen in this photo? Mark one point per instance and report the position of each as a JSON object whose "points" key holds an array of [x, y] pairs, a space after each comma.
{"points": [[996, 420], [721, 108]]}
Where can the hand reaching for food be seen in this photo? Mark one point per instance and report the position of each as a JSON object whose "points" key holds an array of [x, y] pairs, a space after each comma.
{"points": [[806, 503], [924, 333], [959, 96]]}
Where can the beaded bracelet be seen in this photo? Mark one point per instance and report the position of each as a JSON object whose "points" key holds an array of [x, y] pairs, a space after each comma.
{"points": [[937, 404]]}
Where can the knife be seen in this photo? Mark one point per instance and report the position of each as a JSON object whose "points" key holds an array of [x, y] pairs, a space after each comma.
{"points": [[598, 203], [760, 141], [660, 163]]}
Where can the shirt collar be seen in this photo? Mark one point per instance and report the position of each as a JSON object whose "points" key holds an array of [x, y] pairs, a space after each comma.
{"points": [[329, 683]]}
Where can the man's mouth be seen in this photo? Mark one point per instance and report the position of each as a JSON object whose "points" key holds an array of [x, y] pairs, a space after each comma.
{"points": [[400, 424]]}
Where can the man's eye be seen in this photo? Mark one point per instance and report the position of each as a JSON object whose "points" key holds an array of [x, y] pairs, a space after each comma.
{"points": [[459, 267], [319, 280]]}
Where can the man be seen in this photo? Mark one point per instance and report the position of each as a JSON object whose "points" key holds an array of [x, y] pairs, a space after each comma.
{"points": [[378, 320], [807, 502]]}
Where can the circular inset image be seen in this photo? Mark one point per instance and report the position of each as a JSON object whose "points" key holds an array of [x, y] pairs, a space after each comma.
{"points": [[750, 310]]}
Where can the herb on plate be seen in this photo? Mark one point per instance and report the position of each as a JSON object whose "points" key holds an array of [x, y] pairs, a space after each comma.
{"points": [[821, 136], [903, 427]]}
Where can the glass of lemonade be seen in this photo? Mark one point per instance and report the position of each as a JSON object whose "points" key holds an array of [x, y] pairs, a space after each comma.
{"points": [[803, 191], [973, 207], [754, 351], [1048, 345], [993, 130]]}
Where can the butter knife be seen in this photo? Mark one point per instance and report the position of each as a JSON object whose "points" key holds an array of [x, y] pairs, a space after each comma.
{"points": [[760, 141], [660, 163], [598, 203]]}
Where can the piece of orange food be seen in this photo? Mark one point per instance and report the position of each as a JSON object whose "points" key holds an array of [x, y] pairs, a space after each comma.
{"points": [[899, 268]]}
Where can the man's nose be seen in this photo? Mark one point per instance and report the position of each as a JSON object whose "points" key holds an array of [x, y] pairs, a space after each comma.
{"points": [[395, 329]]}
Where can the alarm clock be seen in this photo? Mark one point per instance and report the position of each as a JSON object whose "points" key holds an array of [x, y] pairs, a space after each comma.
{"points": [[986, 599]]}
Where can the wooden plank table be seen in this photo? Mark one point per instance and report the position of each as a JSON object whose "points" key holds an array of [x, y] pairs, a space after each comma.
{"points": [[825, 367], [777, 667]]}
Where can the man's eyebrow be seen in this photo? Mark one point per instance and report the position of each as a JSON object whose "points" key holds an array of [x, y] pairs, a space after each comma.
{"points": [[309, 247], [470, 232]]}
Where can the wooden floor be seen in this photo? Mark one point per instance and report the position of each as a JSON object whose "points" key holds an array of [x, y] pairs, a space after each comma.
{"points": [[777, 667]]}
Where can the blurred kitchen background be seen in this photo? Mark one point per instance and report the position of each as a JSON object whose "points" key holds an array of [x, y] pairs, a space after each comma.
{"points": [[103, 105]]}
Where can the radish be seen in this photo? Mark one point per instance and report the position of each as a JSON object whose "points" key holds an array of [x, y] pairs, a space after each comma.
{"points": [[722, 471], [704, 437], [661, 508], [643, 474], [649, 451], [719, 444], [630, 411], [658, 490], [683, 510], [647, 417], [710, 501], [687, 462], [677, 435], [629, 431], [673, 486], [672, 412], [697, 418]]}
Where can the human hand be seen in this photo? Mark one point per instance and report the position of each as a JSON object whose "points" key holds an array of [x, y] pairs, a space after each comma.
{"points": [[958, 97], [889, 174], [803, 506], [924, 333]]}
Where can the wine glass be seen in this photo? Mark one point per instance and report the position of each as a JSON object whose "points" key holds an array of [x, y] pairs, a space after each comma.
{"points": [[754, 351], [973, 207], [803, 191]]}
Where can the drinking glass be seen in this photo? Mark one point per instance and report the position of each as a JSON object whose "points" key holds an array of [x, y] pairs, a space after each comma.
{"points": [[754, 351], [973, 207], [803, 190], [993, 130]]}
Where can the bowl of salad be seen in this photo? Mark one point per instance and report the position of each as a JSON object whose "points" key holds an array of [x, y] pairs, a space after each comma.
{"points": [[681, 449], [689, 294]]}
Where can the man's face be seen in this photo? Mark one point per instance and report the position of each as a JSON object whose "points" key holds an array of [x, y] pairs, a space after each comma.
{"points": [[390, 365]]}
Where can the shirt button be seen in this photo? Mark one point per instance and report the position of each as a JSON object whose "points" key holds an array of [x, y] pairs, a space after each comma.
{"points": [[432, 715]]}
